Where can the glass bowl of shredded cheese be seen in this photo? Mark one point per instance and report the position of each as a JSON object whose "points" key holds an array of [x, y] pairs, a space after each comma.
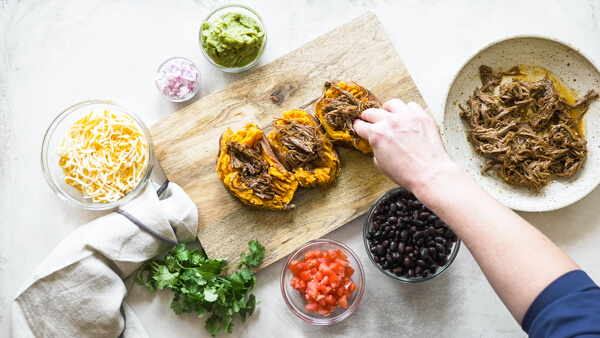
{"points": [[97, 155]]}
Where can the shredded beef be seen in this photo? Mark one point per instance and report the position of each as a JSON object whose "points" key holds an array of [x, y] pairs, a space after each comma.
{"points": [[305, 146], [341, 112], [253, 170], [528, 132]]}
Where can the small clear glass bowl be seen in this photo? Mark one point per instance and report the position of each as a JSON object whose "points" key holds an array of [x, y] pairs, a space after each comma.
{"points": [[296, 302], [216, 14], [190, 94], [367, 228], [54, 138]]}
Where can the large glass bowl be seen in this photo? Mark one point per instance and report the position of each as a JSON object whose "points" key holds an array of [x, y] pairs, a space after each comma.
{"points": [[367, 228], [293, 298], [216, 14], [54, 138]]}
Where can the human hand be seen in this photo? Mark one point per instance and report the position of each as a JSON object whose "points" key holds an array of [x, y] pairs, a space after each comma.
{"points": [[406, 143]]}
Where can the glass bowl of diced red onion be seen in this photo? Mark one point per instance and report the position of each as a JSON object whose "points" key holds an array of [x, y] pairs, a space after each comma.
{"points": [[178, 79]]}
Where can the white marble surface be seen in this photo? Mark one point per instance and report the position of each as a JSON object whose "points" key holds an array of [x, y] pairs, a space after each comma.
{"points": [[55, 53]]}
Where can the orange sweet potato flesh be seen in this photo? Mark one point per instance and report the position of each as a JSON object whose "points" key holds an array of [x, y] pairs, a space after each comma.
{"points": [[345, 137], [322, 173], [285, 184]]}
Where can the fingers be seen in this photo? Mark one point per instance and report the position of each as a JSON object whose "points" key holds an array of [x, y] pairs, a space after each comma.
{"points": [[415, 108], [429, 126], [374, 115], [395, 106], [362, 128]]}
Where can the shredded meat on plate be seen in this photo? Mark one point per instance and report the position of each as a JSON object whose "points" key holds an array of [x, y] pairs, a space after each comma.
{"points": [[527, 132]]}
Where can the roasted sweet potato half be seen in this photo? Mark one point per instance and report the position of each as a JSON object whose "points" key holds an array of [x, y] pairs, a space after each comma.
{"points": [[251, 171], [340, 105], [300, 144]]}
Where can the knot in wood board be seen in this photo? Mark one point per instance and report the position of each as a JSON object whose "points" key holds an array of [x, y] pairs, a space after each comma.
{"points": [[280, 91]]}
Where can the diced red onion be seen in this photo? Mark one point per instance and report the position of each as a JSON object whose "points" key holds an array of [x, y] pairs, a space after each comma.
{"points": [[178, 79]]}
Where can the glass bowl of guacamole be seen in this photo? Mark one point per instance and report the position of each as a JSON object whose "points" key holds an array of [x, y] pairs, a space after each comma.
{"points": [[233, 38]]}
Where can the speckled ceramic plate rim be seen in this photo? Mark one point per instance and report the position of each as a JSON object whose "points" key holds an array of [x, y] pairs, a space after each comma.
{"points": [[515, 206]]}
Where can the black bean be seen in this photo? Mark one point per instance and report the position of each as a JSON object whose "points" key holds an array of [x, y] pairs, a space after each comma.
{"points": [[431, 231], [448, 233], [401, 247], [431, 219], [406, 238]]}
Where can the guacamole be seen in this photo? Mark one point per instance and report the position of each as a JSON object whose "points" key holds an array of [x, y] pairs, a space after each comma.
{"points": [[233, 40]]}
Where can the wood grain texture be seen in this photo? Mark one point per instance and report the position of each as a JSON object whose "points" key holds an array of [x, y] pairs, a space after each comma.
{"points": [[186, 143]]}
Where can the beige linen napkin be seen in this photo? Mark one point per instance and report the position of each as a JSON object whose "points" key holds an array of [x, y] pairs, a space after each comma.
{"points": [[78, 290]]}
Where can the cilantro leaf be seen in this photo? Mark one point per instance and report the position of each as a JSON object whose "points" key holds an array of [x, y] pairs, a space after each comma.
{"points": [[199, 285], [213, 323], [165, 278], [257, 252], [210, 295]]}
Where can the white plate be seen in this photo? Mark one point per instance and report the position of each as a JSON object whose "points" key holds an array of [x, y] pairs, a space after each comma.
{"points": [[567, 63]]}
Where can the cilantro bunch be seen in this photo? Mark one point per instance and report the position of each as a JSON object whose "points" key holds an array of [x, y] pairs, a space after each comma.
{"points": [[198, 286]]}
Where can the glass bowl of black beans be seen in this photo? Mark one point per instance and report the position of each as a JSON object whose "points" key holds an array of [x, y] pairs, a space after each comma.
{"points": [[407, 241]]}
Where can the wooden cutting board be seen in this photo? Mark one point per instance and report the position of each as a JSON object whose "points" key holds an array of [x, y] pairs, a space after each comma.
{"points": [[186, 143]]}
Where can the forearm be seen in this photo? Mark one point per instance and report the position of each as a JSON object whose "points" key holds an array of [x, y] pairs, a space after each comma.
{"points": [[516, 258]]}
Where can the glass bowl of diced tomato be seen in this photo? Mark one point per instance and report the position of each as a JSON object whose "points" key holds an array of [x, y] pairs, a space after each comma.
{"points": [[322, 282]]}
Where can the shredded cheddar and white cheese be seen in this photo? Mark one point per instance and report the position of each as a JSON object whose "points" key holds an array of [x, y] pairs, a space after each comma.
{"points": [[104, 155]]}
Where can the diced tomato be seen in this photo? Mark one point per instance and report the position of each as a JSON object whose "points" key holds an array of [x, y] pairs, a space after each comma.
{"points": [[304, 275], [323, 278], [329, 299], [314, 307], [349, 271], [342, 301]]}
